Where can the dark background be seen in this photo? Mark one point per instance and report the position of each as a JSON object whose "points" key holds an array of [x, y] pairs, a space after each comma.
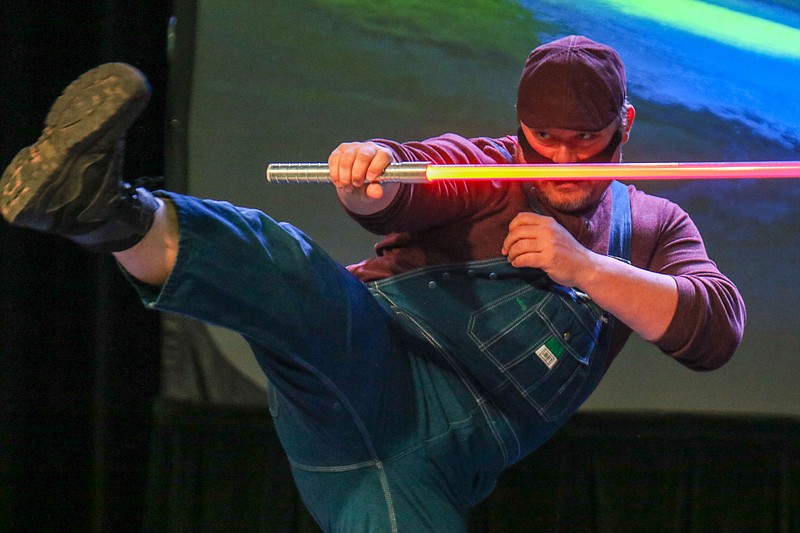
{"points": [[79, 357]]}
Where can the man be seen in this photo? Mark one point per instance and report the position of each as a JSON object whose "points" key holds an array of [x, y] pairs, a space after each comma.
{"points": [[402, 386]]}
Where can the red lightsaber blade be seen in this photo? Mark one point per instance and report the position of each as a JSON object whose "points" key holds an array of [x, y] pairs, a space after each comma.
{"points": [[425, 172]]}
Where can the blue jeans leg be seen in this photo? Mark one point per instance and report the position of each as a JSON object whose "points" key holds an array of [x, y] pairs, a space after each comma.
{"points": [[357, 404]]}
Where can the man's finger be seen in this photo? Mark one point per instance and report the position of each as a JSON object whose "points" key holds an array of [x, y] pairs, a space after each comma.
{"points": [[526, 218]]}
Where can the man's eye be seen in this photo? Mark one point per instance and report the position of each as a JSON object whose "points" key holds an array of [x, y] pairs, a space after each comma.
{"points": [[585, 136], [542, 135]]}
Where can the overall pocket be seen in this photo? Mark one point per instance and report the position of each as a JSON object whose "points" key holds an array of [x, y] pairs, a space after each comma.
{"points": [[541, 341]]}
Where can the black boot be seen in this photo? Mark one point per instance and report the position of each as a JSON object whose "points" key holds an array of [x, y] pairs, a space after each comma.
{"points": [[68, 182]]}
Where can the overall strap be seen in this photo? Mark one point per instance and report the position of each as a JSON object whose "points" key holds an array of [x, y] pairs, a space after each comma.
{"points": [[619, 235], [502, 149]]}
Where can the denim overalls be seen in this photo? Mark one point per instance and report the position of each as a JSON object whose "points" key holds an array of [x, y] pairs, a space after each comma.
{"points": [[398, 403]]}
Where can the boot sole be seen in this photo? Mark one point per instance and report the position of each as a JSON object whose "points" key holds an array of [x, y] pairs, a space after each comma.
{"points": [[92, 113]]}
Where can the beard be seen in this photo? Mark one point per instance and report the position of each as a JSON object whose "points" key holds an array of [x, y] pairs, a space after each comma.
{"points": [[570, 197]]}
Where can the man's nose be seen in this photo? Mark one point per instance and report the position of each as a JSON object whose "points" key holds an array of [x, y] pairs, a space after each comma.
{"points": [[564, 154]]}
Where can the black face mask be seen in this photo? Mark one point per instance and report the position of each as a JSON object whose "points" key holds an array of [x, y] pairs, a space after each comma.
{"points": [[533, 157]]}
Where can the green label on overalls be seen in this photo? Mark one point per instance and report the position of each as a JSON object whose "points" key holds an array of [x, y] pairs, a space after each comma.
{"points": [[550, 352]]}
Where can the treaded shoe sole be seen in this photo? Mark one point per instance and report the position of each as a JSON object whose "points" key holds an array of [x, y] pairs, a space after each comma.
{"points": [[91, 115]]}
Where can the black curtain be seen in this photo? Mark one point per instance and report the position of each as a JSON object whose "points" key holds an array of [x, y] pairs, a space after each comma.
{"points": [[220, 469], [79, 357]]}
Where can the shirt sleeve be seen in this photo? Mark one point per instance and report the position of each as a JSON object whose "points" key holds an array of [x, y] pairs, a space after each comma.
{"points": [[709, 321], [427, 206]]}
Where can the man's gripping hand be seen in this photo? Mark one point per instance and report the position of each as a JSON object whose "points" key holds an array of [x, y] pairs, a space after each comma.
{"points": [[537, 241], [355, 167], [645, 301]]}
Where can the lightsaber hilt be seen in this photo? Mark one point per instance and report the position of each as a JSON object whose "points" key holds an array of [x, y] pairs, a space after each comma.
{"points": [[408, 172]]}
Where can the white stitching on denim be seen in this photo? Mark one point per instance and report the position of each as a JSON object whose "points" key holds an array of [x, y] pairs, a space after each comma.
{"points": [[339, 468], [387, 494], [479, 399], [451, 427], [505, 368], [471, 324]]}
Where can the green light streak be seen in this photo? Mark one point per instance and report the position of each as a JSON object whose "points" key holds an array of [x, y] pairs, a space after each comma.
{"points": [[724, 25]]}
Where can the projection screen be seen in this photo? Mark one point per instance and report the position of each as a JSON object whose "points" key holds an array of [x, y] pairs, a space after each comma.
{"points": [[255, 82]]}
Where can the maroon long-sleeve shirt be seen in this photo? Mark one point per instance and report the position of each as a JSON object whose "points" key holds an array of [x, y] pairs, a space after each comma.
{"points": [[451, 222]]}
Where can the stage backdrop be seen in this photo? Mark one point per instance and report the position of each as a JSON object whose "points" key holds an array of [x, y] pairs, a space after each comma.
{"points": [[255, 82]]}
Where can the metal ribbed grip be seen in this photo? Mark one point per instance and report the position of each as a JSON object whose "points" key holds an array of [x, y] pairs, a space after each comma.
{"points": [[412, 172]]}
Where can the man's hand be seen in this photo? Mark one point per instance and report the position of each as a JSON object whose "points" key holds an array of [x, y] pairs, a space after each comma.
{"points": [[645, 301], [354, 165], [538, 241]]}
